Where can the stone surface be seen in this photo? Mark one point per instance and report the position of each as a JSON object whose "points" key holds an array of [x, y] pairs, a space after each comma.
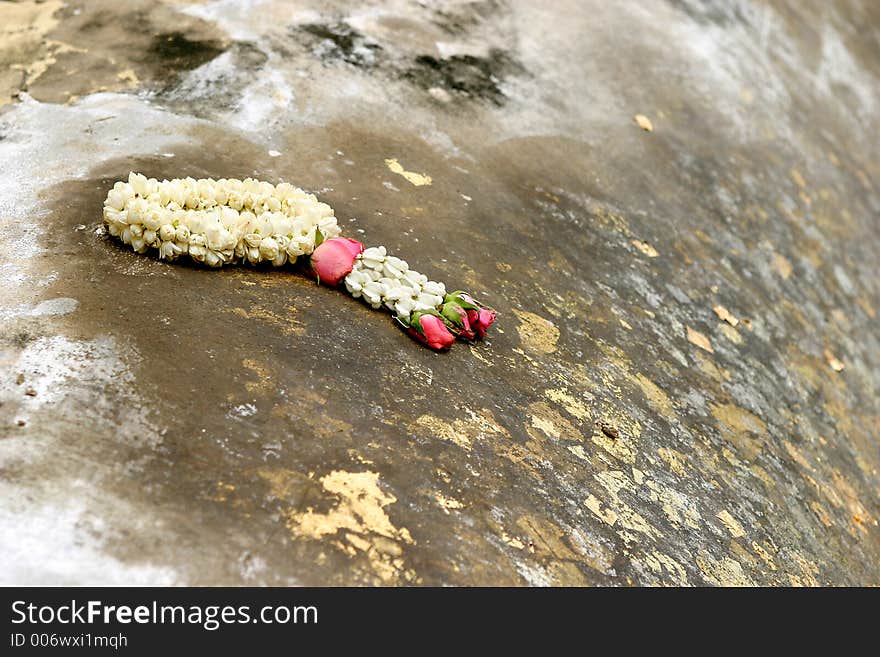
{"points": [[170, 424]]}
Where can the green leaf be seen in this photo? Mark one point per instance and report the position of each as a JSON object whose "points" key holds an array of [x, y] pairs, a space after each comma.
{"points": [[319, 237]]}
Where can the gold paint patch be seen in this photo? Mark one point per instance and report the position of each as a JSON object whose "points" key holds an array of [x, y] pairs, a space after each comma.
{"points": [[547, 539], [463, 431], [447, 503], [724, 571], [443, 430], [782, 265], [731, 333], [537, 333], [676, 461], [595, 505], [579, 451], [675, 505], [809, 570], [821, 514], [571, 405], [764, 554], [360, 518], [655, 396], [417, 179], [736, 530], [24, 52], [739, 426], [614, 481], [711, 369], [796, 454], [551, 423], [320, 423], [361, 508], [261, 370], [662, 563], [288, 324]]}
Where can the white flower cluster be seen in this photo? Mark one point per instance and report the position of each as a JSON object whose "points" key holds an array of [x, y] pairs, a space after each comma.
{"points": [[383, 279], [217, 221]]}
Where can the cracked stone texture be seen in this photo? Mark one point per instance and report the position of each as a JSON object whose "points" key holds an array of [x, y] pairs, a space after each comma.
{"points": [[682, 387]]}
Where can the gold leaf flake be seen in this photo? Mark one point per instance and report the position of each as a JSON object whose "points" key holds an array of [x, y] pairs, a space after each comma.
{"points": [[782, 265], [645, 248], [595, 505], [644, 122], [417, 179], [725, 316], [697, 338], [447, 503], [731, 333], [836, 364]]}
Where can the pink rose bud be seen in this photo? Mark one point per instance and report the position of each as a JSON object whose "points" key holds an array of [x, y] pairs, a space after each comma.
{"points": [[479, 317], [484, 321], [430, 329], [333, 259]]}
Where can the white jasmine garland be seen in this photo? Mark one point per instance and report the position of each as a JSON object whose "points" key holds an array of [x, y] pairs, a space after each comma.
{"points": [[217, 222], [381, 279]]}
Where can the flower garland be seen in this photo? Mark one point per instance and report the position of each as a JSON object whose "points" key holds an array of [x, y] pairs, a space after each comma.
{"points": [[219, 222]]}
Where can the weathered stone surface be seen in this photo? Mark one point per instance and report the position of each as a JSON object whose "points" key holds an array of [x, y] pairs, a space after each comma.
{"points": [[683, 383]]}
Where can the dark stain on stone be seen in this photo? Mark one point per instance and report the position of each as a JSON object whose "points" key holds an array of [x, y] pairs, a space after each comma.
{"points": [[467, 16], [340, 42], [175, 52], [96, 22], [108, 53], [203, 95], [711, 12], [467, 75], [248, 55], [22, 339]]}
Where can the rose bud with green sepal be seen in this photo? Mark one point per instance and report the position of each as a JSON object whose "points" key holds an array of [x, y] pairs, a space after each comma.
{"points": [[479, 316], [458, 317]]}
